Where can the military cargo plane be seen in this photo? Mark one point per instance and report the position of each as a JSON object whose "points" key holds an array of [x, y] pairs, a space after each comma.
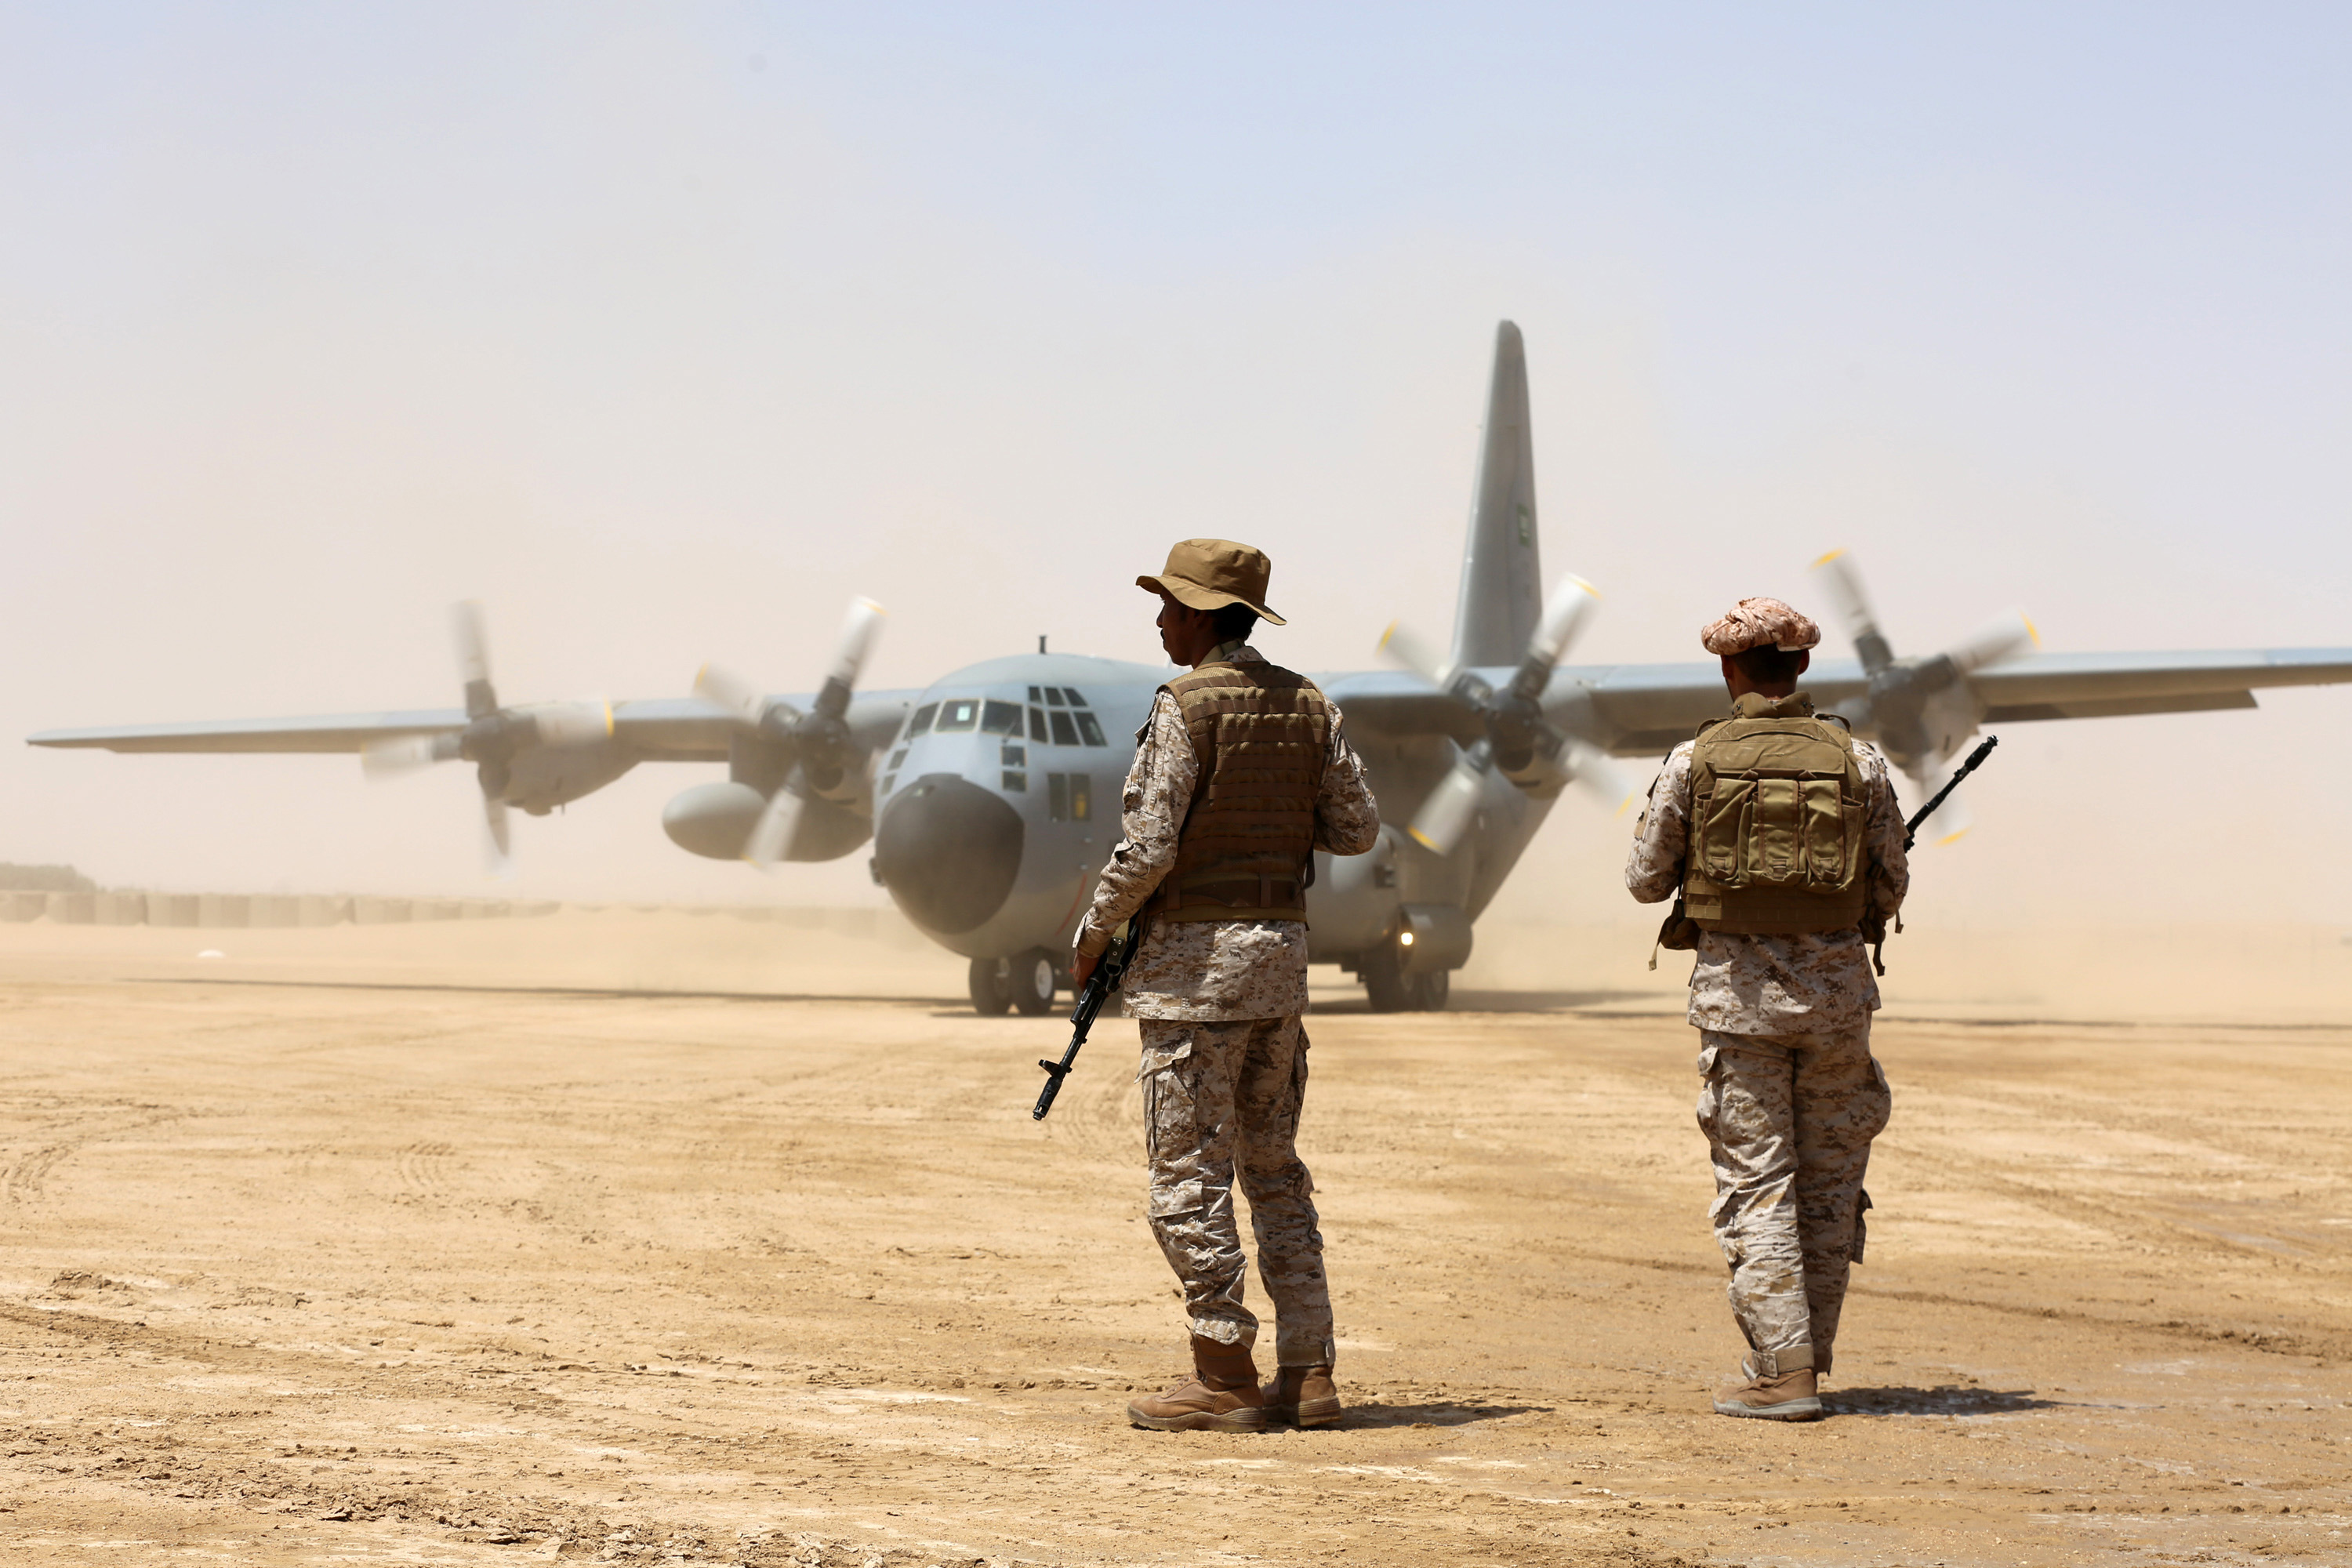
{"points": [[992, 796]]}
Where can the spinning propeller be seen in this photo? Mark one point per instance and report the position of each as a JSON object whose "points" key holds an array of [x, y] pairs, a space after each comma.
{"points": [[1919, 707], [493, 736], [816, 742], [1517, 733]]}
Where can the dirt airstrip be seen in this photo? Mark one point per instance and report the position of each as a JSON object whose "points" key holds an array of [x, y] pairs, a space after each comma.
{"points": [[635, 1237]]}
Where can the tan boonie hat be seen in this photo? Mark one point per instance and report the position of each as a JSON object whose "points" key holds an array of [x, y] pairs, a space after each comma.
{"points": [[1210, 573], [1759, 622]]}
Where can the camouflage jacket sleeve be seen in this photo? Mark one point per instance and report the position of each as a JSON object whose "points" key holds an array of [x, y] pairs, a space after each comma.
{"points": [[1653, 867], [1890, 867], [1152, 806], [1347, 820]]}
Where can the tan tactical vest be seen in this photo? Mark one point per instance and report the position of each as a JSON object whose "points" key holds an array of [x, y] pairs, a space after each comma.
{"points": [[1776, 813], [1247, 851]]}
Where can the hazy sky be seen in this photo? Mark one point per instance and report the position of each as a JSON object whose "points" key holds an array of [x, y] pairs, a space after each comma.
{"points": [[664, 329]]}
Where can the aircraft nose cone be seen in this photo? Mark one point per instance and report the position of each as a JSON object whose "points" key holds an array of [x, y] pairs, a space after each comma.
{"points": [[949, 851]]}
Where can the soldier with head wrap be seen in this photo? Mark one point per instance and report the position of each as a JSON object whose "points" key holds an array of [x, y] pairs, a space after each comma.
{"points": [[1778, 835], [1241, 775]]}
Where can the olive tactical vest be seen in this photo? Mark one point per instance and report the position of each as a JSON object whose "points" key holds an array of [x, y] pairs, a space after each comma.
{"points": [[1247, 851], [1778, 803]]}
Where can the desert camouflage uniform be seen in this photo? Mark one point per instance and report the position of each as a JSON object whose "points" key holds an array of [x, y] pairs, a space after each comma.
{"points": [[1792, 1095], [1224, 1053]]}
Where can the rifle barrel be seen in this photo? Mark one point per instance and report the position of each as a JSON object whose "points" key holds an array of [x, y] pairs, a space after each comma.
{"points": [[1911, 828]]}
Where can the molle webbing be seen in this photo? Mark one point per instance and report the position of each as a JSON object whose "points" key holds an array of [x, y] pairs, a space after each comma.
{"points": [[1776, 813], [1261, 734]]}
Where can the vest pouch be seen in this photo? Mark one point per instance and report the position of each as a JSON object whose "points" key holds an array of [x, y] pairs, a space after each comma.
{"points": [[1725, 818], [1823, 816], [1852, 819], [1778, 849]]}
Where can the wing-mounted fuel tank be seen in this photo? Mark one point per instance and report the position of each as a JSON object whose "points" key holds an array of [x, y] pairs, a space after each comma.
{"points": [[717, 820]]}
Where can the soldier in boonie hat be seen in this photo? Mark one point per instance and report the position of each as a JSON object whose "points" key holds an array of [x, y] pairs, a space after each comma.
{"points": [[1777, 834], [1241, 775], [1211, 573]]}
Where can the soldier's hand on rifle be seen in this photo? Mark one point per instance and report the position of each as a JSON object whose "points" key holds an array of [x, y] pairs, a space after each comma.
{"points": [[1081, 964]]}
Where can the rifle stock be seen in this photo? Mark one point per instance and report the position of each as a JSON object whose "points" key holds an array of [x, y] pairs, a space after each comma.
{"points": [[1091, 997]]}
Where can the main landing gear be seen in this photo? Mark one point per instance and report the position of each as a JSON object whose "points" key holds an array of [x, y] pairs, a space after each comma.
{"points": [[1024, 982], [1391, 990]]}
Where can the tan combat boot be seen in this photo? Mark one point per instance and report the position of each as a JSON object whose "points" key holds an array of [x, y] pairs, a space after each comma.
{"points": [[1303, 1396], [1778, 1387], [1221, 1396]]}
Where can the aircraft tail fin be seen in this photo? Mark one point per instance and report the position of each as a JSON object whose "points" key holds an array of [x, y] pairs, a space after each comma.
{"points": [[1502, 573]]}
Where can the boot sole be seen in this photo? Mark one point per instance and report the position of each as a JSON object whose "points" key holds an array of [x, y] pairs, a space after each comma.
{"points": [[1252, 1420], [1787, 1410], [1312, 1413]]}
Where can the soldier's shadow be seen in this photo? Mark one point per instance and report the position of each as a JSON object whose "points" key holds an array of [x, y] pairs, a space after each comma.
{"points": [[1945, 1399], [1449, 1413]]}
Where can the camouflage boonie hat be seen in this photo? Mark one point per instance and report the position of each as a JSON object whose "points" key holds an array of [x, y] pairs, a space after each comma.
{"points": [[1759, 622], [1210, 573]]}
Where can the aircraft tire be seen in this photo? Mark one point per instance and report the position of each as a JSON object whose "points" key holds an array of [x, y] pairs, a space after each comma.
{"points": [[1385, 982], [1030, 981], [992, 988], [1429, 990]]}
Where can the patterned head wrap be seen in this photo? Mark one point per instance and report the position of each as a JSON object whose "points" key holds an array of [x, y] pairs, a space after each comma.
{"points": [[1759, 622]]}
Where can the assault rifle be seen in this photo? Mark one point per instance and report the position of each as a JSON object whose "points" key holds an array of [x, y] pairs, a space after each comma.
{"points": [[1099, 987], [1911, 828]]}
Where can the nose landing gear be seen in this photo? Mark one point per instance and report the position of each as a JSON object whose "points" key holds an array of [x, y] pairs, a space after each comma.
{"points": [[1024, 982]]}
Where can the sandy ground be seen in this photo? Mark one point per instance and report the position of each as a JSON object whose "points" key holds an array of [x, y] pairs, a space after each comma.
{"points": [[640, 1237]]}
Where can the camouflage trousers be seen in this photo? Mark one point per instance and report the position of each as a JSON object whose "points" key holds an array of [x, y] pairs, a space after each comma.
{"points": [[1788, 1120], [1220, 1099]]}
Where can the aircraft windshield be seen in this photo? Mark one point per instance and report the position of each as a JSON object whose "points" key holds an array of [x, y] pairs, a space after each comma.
{"points": [[1001, 719], [922, 718], [960, 713]]}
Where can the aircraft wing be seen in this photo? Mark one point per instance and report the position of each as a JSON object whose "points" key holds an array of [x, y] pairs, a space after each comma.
{"points": [[2104, 685], [317, 733], [659, 729], [1393, 703], [1643, 710]]}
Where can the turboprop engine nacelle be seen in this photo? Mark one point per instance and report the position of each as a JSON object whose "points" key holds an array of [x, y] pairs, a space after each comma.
{"points": [[716, 820]]}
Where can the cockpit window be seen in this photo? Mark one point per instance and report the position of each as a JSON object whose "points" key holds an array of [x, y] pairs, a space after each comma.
{"points": [[1001, 719], [1037, 724], [1089, 729], [1076, 700], [1054, 696], [1065, 733], [960, 713], [922, 718], [1033, 697]]}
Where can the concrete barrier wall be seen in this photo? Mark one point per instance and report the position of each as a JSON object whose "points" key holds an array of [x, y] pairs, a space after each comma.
{"points": [[292, 910], [381, 911], [73, 909], [171, 909], [123, 908], [223, 910], [17, 905], [313, 910]]}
